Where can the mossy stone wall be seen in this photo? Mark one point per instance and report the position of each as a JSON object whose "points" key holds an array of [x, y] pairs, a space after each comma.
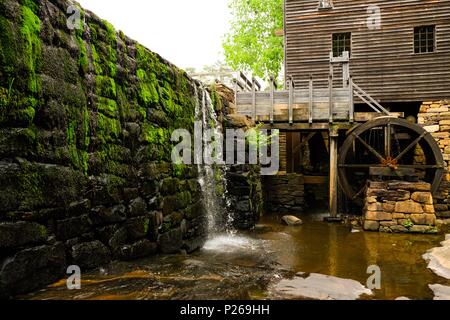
{"points": [[85, 123]]}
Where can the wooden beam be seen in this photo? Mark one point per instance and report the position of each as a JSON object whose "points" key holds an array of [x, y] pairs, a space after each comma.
{"points": [[315, 179], [316, 126]]}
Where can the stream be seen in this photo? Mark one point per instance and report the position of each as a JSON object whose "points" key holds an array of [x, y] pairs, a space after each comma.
{"points": [[261, 264]]}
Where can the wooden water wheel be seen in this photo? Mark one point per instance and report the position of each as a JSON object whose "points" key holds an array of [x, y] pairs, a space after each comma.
{"points": [[388, 147]]}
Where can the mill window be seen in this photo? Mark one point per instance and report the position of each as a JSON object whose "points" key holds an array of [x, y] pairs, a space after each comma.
{"points": [[424, 39], [341, 42]]}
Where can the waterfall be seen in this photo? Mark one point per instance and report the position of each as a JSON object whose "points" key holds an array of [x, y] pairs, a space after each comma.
{"points": [[212, 177]]}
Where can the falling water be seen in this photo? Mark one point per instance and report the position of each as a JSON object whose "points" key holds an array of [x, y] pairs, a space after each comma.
{"points": [[212, 177]]}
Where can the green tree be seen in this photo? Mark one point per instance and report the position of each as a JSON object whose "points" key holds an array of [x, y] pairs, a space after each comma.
{"points": [[252, 45]]}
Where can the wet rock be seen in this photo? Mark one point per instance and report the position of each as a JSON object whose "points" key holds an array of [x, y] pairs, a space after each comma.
{"points": [[422, 229], [402, 299], [439, 259], [138, 207], [440, 292], [192, 245], [371, 225], [139, 249], [171, 241], [239, 121], [21, 233], [137, 228], [321, 287], [72, 227], [90, 254], [292, 221], [102, 215], [118, 238], [32, 268], [79, 208]]}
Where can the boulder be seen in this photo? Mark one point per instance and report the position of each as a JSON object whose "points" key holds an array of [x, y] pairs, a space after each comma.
{"points": [[32, 268], [171, 241], [139, 249], [21, 233], [89, 255], [292, 221], [137, 207], [440, 292], [371, 225], [72, 227]]}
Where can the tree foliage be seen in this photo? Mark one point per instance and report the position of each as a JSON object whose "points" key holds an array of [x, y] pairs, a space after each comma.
{"points": [[251, 45]]}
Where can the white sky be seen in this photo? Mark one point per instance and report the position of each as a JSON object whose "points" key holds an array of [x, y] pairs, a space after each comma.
{"points": [[186, 32]]}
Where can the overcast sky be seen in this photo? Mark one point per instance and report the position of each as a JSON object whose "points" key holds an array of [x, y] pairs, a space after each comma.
{"points": [[186, 32]]}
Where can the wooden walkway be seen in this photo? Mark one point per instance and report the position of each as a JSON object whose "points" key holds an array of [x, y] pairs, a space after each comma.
{"points": [[306, 104]]}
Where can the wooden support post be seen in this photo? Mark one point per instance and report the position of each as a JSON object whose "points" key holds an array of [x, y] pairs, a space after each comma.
{"points": [[311, 98], [330, 86], [254, 98], [351, 105], [291, 100], [333, 192]]}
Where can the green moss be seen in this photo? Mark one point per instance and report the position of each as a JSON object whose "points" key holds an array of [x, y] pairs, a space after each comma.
{"points": [[148, 92], [108, 129], [112, 48], [96, 60], [216, 100], [155, 135], [30, 186], [106, 87], [83, 59], [108, 107], [146, 225], [30, 30], [9, 46]]}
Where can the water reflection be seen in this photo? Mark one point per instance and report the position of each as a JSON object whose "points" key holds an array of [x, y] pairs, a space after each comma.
{"points": [[247, 265]]}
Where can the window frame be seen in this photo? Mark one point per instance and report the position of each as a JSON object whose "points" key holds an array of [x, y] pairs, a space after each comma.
{"points": [[350, 43], [426, 39]]}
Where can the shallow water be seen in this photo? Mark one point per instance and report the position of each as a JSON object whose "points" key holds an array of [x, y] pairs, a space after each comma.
{"points": [[249, 265]]}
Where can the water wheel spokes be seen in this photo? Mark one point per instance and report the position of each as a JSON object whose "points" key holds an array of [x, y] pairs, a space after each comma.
{"points": [[389, 147]]}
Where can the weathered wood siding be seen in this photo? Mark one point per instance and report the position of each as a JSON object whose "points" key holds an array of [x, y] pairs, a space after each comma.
{"points": [[382, 61]]}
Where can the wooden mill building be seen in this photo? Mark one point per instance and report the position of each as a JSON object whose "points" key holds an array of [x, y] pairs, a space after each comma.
{"points": [[348, 62]]}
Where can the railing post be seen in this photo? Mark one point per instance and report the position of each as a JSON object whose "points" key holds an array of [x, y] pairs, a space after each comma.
{"points": [[330, 86], [311, 98], [350, 99], [254, 98], [291, 100], [272, 98]]}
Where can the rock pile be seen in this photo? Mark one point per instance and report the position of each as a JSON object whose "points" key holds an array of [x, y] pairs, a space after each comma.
{"points": [[399, 206]]}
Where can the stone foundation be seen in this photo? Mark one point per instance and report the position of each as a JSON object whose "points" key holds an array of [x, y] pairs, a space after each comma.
{"points": [[284, 192], [435, 117], [399, 206]]}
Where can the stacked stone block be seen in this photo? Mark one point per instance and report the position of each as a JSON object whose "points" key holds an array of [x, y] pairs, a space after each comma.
{"points": [[434, 116], [284, 193], [399, 206]]}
